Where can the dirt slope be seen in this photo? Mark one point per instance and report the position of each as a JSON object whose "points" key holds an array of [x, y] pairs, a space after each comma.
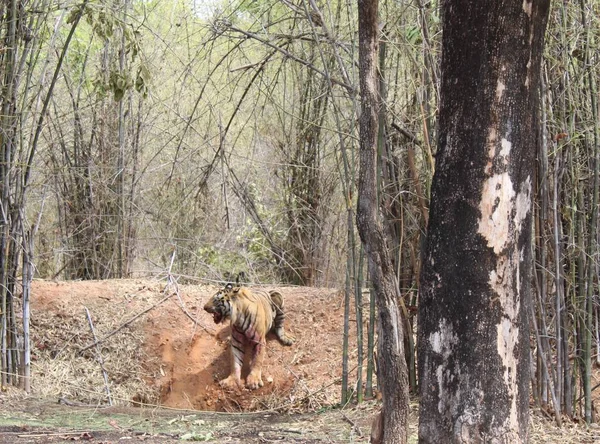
{"points": [[179, 361]]}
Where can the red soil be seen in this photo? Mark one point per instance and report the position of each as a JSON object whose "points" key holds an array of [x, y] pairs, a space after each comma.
{"points": [[187, 360]]}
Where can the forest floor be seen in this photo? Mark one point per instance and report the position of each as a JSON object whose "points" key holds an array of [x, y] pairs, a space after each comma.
{"points": [[163, 356]]}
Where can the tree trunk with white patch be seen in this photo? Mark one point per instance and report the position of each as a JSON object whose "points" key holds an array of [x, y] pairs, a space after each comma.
{"points": [[475, 286], [391, 426]]}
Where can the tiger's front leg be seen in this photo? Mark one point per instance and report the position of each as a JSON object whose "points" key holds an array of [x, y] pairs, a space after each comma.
{"points": [[254, 379], [234, 380]]}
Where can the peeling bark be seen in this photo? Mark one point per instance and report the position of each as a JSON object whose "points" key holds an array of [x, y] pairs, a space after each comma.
{"points": [[475, 285]]}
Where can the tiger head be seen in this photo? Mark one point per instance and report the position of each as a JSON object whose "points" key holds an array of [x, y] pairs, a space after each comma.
{"points": [[220, 304]]}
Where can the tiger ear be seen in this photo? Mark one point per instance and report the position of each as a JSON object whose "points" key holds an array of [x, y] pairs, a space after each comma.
{"points": [[229, 286], [240, 278]]}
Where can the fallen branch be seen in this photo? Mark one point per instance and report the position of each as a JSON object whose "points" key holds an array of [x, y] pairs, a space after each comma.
{"points": [[68, 402], [171, 280], [210, 331], [169, 283], [85, 435], [353, 424], [99, 355], [125, 324]]}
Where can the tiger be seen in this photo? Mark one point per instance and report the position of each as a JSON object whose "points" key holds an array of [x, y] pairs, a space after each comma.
{"points": [[252, 315]]}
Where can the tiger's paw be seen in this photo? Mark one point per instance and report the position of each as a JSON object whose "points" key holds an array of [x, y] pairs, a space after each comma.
{"points": [[288, 340], [254, 381], [284, 338], [231, 383]]}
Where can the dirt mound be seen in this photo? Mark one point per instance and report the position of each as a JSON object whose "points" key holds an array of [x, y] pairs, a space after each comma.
{"points": [[174, 355]]}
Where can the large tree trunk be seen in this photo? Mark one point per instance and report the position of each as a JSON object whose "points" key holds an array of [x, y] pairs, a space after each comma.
{"points": [[473, 328], [392, 372]]}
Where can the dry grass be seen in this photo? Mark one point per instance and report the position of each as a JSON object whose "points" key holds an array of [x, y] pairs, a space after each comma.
{"points": [[60, 370], [543, 430]]}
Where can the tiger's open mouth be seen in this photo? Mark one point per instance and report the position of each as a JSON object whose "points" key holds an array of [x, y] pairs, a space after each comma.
{"points": [[217, 317]]}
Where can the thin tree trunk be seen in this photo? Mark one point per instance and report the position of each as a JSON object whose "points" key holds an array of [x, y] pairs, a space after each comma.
{"points": [[120, 170], [7, 140], [28, 269], [392, 372]]}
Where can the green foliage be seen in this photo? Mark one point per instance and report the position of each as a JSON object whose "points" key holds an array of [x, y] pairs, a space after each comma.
{"points": [[142, 79], [220, 260], [413, 35], [108, 28], [194, 436], [119, 83], [101, 19]]}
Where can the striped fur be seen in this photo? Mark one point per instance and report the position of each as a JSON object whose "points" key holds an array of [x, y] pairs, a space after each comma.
{"points": [[252, 315]]}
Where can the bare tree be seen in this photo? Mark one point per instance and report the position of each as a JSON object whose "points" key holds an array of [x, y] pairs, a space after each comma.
{"points": [[475, 289]]}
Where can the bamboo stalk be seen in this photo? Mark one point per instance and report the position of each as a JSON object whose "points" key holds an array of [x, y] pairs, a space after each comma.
{"points": [[120, 167], [370, 345], [592, 249], [542, 350], [359, 324], [558, 302], [347, 291], [7, 121], [543, 177]]}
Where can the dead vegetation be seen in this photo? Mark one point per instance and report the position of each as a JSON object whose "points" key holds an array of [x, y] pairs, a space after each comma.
{"points": [[60, 330]]}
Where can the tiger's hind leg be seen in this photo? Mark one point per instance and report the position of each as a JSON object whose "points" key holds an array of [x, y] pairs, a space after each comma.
{"points": [[278, 328]]}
